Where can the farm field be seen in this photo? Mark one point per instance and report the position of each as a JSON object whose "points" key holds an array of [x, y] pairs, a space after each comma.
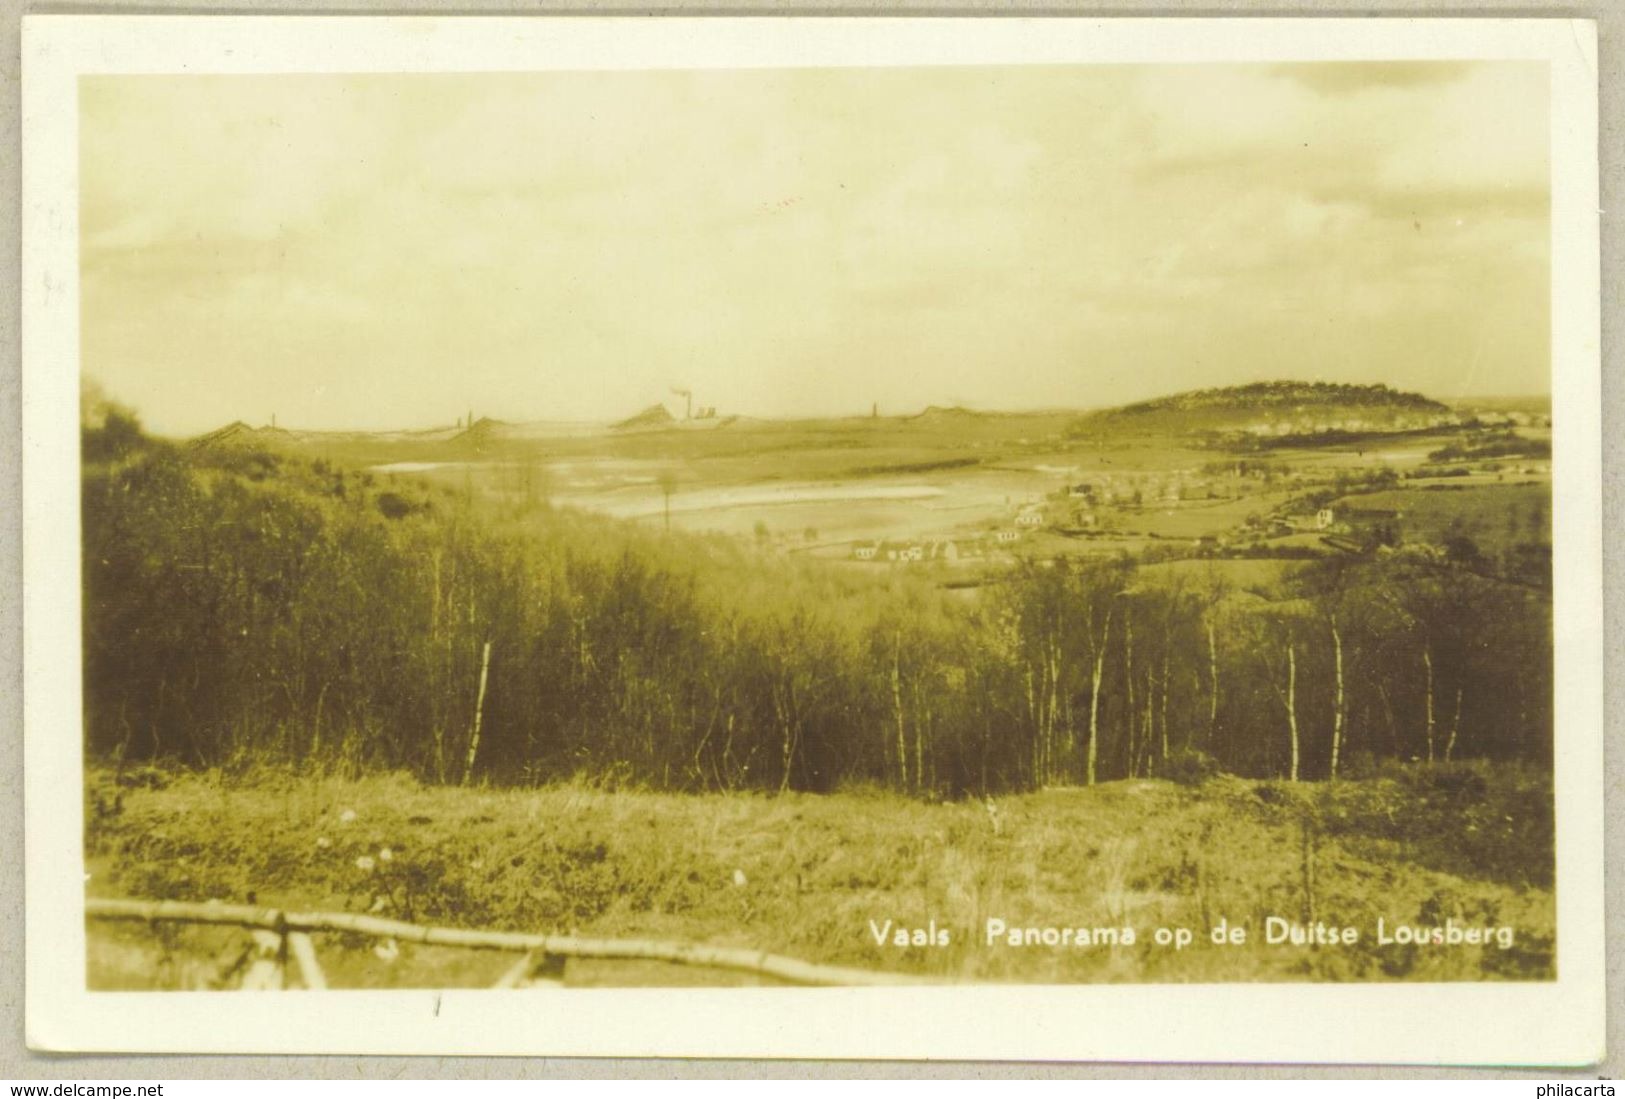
{"points": [[1208, 517], [1494, 515], [803, 875], [1246, 573], [839, 489]]}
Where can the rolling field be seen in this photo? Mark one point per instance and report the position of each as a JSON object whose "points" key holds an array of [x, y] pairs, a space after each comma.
{"points": [[789, 493], [1248, 574], [823, 485], [1206, 517], [786, 490], [804, 875]]}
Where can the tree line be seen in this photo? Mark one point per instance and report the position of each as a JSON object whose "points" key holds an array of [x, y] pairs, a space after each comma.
{"points": [[246, 606]]}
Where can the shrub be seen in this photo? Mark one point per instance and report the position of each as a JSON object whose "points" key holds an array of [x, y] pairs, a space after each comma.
{"points": [[392, 505]]}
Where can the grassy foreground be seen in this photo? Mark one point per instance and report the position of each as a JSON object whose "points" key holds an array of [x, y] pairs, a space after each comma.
{"points": [[805, 874]]}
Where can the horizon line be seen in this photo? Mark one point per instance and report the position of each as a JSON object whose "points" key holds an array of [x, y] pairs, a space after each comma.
{"points": [[609, 422]]}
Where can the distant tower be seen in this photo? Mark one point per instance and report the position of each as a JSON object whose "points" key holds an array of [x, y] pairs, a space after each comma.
{"points": [[688, 402], [273, 421], [874, 411]]}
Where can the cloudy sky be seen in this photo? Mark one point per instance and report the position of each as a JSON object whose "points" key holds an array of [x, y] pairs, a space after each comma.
{"points": [[377, 252]]}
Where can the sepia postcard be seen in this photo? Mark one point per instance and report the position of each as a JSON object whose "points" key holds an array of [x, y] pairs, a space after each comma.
{"points": [[962, 538]]}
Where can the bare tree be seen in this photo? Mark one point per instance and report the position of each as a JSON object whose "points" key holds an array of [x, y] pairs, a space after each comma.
{"points": [[1338, 705], [1094, 696]]}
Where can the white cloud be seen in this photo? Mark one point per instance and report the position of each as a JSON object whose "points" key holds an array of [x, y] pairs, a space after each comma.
{"points": [[562, 245]]}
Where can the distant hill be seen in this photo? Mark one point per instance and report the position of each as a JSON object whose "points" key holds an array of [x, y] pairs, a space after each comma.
{"points": [[239, 433], [1248, 414], [235, 433], [657, 418], [951, 414], [481, 432], [1272, 409]]}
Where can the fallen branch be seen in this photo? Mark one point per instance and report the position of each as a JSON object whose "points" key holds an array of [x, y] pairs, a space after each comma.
{"points": [[791, 970], [265, 970]]}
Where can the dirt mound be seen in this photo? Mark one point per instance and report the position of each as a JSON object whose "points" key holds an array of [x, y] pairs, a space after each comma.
{"points": [[655, 416]]}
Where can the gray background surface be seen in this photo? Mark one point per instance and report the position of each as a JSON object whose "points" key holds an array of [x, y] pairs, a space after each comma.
{"points": [[17, 1063]]}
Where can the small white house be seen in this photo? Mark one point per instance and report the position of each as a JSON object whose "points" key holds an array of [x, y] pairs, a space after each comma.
{"points": [[865, 551], [1324, 518], [1030, 519], [1008, 536]]}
